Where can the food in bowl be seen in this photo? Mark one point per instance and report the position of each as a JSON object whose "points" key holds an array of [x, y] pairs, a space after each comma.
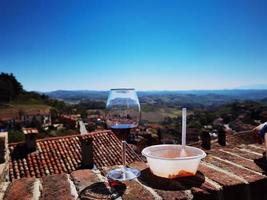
{"points": [[171, 161]]}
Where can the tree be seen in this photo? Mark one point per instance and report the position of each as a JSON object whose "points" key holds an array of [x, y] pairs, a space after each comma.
{"points": [[10, 88]]}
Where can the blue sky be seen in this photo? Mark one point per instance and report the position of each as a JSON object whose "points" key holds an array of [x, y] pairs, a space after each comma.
{"points": [[145, 44]]}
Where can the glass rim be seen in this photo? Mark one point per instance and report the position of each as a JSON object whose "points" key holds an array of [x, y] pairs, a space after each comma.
{"points": [[122, 89], [200, 155]]}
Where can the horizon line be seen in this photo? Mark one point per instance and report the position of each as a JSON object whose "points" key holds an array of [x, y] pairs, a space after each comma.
{"points": [[149, 90]]}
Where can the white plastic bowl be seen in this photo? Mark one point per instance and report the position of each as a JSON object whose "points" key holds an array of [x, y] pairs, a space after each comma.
{"points": [[163, 160]]}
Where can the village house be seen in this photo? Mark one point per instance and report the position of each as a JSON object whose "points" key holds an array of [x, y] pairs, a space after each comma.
{"points": [[24, 118]]}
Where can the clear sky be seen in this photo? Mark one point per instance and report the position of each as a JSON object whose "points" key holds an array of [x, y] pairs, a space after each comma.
{"points": [[145, 44]]}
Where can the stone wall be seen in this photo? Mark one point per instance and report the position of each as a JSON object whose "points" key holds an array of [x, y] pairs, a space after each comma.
{"points": [[4, 156]]}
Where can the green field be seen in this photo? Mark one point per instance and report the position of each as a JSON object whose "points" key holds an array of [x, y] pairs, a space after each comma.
{"points": [[157, 114]]}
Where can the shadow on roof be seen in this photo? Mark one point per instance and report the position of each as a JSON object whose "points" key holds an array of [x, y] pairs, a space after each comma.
{"points": [[182, 183], [262, 163], [20, 151], [96, 191]]}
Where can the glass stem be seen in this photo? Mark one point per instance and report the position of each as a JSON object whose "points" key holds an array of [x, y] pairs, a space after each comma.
{"points": [[124, 158], [124, 153]]}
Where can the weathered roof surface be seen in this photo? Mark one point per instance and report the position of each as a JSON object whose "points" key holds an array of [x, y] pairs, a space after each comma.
{"points": [[237, 171], [225, 174], [63, 155]]}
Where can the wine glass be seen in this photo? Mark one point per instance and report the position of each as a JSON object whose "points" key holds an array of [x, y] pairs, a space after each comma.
{"points": [[122, 114]]}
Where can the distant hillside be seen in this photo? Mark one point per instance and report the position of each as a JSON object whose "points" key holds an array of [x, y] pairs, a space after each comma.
{"points": [[255, 87], [76, 95], [231, 94], [196, 98], [264, 101]]}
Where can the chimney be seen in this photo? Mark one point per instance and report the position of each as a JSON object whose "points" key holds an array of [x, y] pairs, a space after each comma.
{"points": [[86, 152], [221, 136], [205, 139], [30, 138]]}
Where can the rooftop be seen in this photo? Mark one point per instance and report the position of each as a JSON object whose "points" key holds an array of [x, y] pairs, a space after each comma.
{"points": [[236, 171], [63, 155], [226, 173]]}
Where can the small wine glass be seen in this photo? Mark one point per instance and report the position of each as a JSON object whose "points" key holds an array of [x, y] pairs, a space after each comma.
{"points": [[122, 114]]}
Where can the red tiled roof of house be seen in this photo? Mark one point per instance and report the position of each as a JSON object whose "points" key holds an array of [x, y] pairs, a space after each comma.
{"points": [[63, 155], [226, 173]]}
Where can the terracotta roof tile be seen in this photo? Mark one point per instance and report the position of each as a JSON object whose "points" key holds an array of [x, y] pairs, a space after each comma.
{"points": [[62, 155]]}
